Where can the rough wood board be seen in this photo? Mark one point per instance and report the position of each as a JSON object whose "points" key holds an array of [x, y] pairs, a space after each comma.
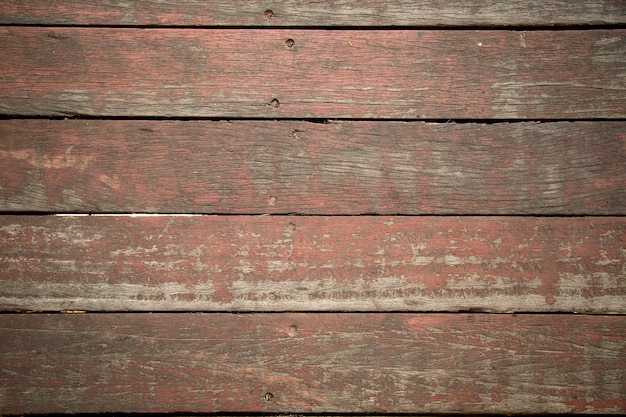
{"points": [[405, 74], [256, 167], [313, 363], [314, 13], [291, 263]]}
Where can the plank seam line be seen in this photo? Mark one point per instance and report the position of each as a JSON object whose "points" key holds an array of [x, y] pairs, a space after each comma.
{"points": [[17, 214], [299, 414], [557, 27], [350, 414], [319, 120], [285, 312]]}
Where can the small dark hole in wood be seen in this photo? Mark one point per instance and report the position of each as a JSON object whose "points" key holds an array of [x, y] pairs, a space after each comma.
{"points": [[269, 396], [268, 14], [275, 103], [290, 43]]}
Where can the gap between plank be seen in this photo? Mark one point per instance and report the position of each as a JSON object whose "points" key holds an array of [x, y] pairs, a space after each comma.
{"points": [[495, 27], [139, 214], [306, 120], [265, 312]]}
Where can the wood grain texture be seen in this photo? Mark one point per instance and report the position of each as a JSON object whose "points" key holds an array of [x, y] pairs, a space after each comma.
{"points": [[314, 13], [313, 363], [293, 263], [256, 167], [404, 74]]}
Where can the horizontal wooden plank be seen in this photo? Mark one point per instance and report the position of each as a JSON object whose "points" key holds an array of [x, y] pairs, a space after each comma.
{"points": [[405, 74], [313, 363], [293, 263], [256, 167], [314, 13]]}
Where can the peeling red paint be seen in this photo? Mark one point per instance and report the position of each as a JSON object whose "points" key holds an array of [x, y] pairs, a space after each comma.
{"points": [[332, 263], [582, 406]]}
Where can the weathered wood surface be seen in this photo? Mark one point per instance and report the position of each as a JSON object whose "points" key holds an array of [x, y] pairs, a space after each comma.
{"points": [[256, 167], [313, 363], [371, 335], [292, 263], [405, 74], [314, 13]]}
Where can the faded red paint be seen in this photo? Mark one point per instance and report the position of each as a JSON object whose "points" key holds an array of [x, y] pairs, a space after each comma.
{"points": [[411, 168], [315, 263], [582, 406], [387, 363], [330, 363], [327, 74], [298, 13]]}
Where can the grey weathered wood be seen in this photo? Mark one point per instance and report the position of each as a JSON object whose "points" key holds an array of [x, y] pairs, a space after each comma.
{"points": [[256, 167], [410, 74], [385, 363], [277, 263], [314, 13]]}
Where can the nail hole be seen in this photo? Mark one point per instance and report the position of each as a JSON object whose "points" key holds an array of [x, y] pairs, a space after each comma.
{"points": [[271, 296], [292, 330], [268, 14], [274, 104], [269, 396], [271, 200], [291, 227], [296, 134], [289, 42]]}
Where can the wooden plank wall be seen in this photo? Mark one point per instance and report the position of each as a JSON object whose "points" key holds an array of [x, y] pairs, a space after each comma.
{"points": [[293, 206]]}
